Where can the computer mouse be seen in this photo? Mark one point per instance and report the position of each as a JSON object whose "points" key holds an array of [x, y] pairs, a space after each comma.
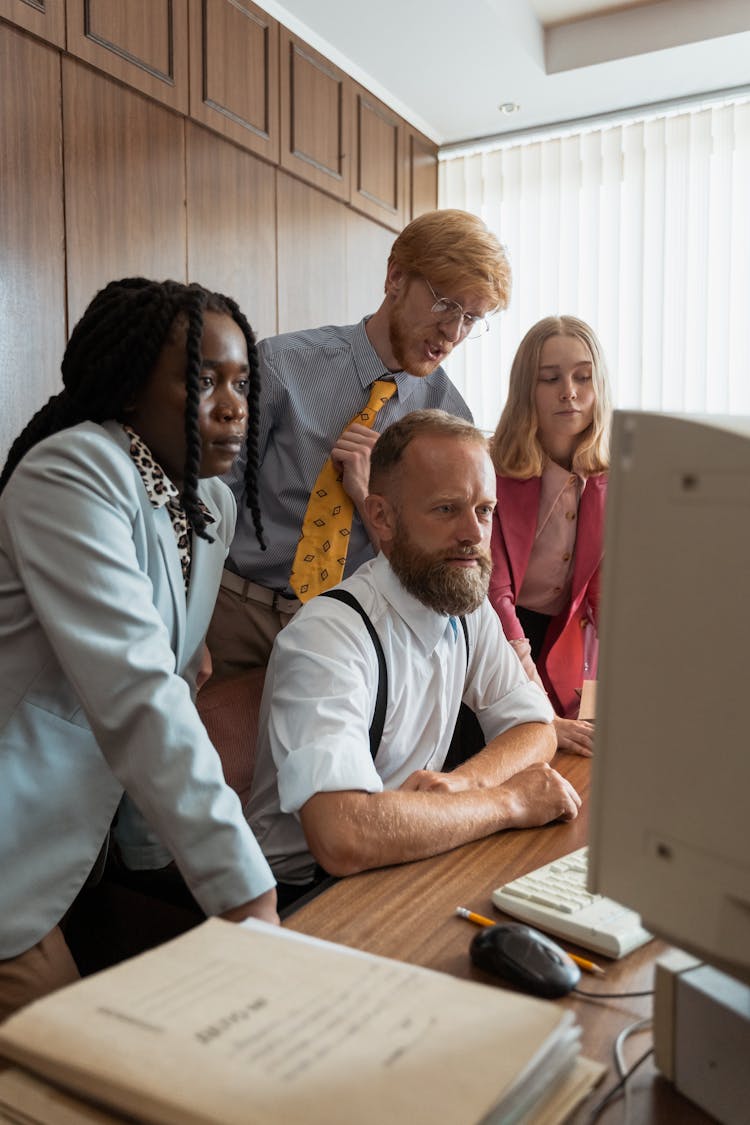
{"points": [[524, 957]]}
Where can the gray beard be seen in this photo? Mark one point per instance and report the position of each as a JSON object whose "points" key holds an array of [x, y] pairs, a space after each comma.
{"points": [[437, 584]]}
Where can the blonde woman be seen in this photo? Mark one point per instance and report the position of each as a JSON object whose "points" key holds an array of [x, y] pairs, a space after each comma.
{"points": [[551, 455]]}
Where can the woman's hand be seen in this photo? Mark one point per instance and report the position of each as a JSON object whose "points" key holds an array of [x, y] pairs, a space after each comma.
{"points": [[575, 736], [205, 669], [262, 907]]}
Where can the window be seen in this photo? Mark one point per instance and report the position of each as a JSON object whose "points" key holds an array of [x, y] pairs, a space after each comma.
{"points": [[640, 228]]}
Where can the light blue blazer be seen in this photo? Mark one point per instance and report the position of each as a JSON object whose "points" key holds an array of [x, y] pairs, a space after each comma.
{"points": [[98, 649]]}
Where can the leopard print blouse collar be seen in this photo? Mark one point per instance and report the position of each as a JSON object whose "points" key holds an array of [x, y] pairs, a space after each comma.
{"points": [[162, 493]]}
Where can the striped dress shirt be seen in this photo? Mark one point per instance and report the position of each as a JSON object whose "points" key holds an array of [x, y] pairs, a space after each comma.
{"points": [[312, 385]]}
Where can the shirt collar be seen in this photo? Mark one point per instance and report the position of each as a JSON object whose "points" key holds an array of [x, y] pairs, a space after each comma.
{"points": [[370, 366], [560, 476], [555, 480], [428, 626], [160, 490]]}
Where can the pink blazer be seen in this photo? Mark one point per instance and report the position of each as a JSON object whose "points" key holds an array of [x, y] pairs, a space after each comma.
{"points": [[570, 643]]}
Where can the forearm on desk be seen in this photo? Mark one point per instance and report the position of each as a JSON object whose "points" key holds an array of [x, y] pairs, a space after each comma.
{"points": [[508, 754], [348, 831]]}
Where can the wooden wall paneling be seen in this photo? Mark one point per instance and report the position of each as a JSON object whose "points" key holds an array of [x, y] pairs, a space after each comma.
{"points": [[234, 72], [143, 43], [378, 164], [421, 174], [45, 18], [231, 216], [368, 245], [315, 117], [124, 185], [312, 257], [32, 247]]}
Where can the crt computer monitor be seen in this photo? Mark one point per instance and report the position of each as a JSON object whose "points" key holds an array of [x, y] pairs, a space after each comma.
{"points": [[670, 806]]}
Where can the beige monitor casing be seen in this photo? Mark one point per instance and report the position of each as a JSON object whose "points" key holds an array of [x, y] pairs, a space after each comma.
{"points": [[670, 809]]}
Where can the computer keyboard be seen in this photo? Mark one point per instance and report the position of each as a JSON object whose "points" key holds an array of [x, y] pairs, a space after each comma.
{"points": [[554, 898]]}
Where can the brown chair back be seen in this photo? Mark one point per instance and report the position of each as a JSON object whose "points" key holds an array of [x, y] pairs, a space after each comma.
{"points": [[229, 710]]}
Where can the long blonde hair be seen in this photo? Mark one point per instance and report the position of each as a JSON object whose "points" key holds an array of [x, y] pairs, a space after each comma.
{"points": [[515, 447]]}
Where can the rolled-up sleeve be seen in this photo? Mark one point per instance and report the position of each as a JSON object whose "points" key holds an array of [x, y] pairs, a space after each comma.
{"points": [[497, 687], [320, 707]]}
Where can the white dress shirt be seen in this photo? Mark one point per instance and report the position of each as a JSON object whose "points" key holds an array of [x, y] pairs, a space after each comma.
{"points": [[320, 692]]}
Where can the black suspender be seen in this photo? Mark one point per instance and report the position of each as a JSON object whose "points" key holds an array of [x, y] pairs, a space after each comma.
{"points": [[465, 628], [381, 699], [378, 718]]}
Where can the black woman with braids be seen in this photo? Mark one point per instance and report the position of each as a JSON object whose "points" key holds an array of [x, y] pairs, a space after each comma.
{"points": [[113, 533]]}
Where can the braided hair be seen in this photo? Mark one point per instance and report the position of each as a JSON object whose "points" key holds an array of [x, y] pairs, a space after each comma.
{"points": [[110, 356]]}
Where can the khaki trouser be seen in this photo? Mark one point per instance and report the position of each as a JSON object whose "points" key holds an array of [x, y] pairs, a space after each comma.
{"points": [[45, 967], [243, 629]]}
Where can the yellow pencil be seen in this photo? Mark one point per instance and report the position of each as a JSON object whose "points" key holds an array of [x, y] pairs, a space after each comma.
{"points": [[480, 920], [587, 966]]}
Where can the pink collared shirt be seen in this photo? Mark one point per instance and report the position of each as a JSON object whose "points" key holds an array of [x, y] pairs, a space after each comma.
{"points": [[547, 584]]}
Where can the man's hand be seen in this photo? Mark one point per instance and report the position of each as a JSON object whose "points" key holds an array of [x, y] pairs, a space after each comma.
{"points": [[539, 795], [575, 736], [263, 907], [351, 454]]}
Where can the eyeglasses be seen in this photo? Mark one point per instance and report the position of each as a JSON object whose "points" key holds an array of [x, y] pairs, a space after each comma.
{"points": [[447, 310]]}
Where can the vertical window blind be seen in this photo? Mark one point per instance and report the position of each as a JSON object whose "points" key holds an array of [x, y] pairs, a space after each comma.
{"points": [[640, 228]]}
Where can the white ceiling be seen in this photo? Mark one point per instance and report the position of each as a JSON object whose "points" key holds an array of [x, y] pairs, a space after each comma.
{"points": [[448, 65]]}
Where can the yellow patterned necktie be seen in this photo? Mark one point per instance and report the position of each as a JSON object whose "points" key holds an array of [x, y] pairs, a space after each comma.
{"points": [[321, 551]]}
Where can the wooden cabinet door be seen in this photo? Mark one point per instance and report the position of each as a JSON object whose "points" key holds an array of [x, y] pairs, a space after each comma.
{"points": [[124, 185], [231, 225], [421, 174], [315, 117], [368, 245], [143, 43], [32, 236], [234, 73], [45, 18], [311, 255], [378, 165]]}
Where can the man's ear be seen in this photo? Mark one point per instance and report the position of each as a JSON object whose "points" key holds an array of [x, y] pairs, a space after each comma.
{"points": [[382, 516], [395, 280]]}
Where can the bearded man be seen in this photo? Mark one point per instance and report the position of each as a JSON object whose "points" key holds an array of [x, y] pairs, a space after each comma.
{"points": [[446, 274], [326, 800]]}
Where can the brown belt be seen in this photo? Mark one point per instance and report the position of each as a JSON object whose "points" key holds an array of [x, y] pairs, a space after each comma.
{"points": [[251, 591]]}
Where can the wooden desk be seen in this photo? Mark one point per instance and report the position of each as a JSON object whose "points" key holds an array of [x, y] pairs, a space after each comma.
{"points": [[407, 912]]}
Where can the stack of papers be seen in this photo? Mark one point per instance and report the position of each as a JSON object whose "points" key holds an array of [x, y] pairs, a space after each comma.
{"points": [[250, 1024]]}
